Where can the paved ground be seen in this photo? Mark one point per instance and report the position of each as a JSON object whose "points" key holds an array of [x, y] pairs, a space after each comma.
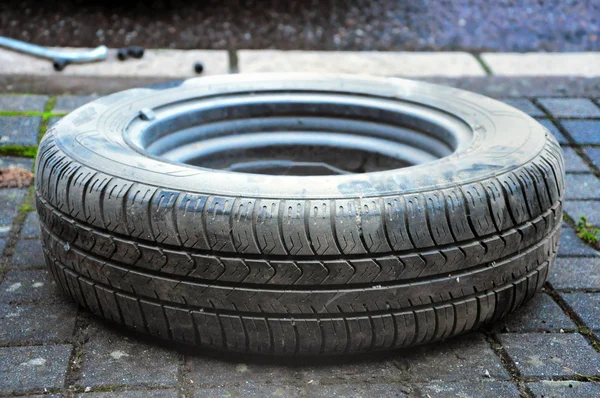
{"points": [[471, 25], [549, 348]]}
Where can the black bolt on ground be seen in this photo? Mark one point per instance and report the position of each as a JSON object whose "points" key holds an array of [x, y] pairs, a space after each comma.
{"points": [[60, 64], [135, 51], [122, 54]]}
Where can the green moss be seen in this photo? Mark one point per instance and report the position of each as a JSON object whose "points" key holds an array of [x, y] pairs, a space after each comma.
{"points": [[50, 105], [586, 231], [18, 150], [26, 208], [584, 330], [21, 113], [43, 127]]}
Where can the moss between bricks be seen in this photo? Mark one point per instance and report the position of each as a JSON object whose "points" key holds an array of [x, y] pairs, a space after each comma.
{"points": [[50, 104], [18, 150], [587, 232], [46, 117], [26, 208], [21, 113], [30, 151], [588, 333]]}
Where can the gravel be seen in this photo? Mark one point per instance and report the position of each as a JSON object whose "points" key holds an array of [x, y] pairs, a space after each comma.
{"points": [[519, 25]]}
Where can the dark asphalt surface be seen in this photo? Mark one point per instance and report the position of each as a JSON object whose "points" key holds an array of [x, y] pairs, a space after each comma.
{"points": [[471, 25]]}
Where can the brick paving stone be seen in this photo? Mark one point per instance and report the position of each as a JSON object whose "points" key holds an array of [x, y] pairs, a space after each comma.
{"points": [[28, 253], [33, 368], [111, 358], [571, 245], [525, 105], [257, 391], [156, 393], [211, 373], [466, 357], [583, 131], [358, 390], [43, 396], [551, 354], [590, 209], [31, 226], [573, 162], [564, 389], [479, 389], [570, 107], [2, 245], [11, 161], [36, 324], [28, 286], [575, 273], [368, 371], [19, 130], [312, 390], [541, 314], [587, 306], [594, 154], [10, 200], [53, 120], [554, 130], [23, 103], [68, 103], [582, 186]]}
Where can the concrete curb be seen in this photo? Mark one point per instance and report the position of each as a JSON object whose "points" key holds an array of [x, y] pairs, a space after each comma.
{"points": [[512, 73], [408, 64], [155, 64], [586, 64]]}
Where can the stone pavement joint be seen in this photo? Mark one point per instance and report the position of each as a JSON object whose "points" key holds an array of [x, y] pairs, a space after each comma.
{"points": [[508, 362], [576, 317]]}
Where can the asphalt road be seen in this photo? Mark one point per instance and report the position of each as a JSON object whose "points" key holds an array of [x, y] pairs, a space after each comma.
{"points": [[421, 25]]}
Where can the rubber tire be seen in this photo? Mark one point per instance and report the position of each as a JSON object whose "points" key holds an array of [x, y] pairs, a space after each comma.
{"points": [[157, 247]]}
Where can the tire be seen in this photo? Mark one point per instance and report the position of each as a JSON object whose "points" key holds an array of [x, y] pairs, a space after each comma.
{"points": [[300, 265]]}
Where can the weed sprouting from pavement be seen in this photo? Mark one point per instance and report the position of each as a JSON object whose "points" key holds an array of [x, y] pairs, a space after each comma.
{"points": [[586, 231]]}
